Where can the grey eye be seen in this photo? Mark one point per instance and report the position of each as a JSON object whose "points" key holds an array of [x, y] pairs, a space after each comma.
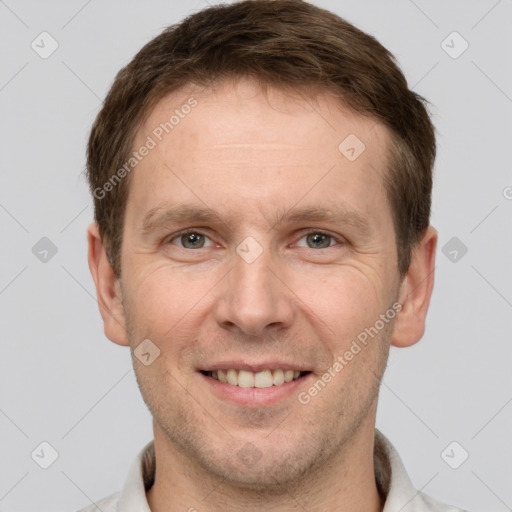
{"points": [[192, 240], [318, 240]]}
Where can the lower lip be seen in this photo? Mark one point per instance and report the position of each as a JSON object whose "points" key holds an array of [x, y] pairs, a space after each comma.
{"points": [[255, 397]]}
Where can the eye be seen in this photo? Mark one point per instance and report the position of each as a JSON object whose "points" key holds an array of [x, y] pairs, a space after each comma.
{"points": [[318, 240], [191, 240]]}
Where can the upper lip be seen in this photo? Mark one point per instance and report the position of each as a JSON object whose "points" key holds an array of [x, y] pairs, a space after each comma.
{"points": [[255, 367]]}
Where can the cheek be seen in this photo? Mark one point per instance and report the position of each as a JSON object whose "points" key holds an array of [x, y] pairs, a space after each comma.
{"points": [[342, 303], [345, 293], [168, 304], [170, 307], [160, 299]]}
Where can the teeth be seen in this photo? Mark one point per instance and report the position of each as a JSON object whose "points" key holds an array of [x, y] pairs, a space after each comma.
{"points": [[278, 377], [288, 375], [262, 379], [232, 377], [247, 379]]}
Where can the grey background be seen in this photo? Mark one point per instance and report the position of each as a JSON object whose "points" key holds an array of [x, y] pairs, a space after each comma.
{"points": [[63, 382]]}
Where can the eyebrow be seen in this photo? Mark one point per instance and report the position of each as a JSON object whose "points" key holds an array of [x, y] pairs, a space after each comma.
{"points": [[336, 214], [164, 215]]}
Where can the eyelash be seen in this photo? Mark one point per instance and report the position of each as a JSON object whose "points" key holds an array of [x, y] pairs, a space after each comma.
{"points": [[305, 234]]}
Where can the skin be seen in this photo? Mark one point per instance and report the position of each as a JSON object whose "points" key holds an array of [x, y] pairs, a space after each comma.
{"points": [[251, 158]]}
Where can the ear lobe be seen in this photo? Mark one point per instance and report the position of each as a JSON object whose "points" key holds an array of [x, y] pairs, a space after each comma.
{"points": [[415, 292], [108, 290]]}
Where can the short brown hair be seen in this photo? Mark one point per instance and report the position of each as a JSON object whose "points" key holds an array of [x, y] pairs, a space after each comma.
{"points": [[283, 43]]}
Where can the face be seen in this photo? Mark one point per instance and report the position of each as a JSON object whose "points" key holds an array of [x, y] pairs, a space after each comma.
{"points": [[255, 249]]}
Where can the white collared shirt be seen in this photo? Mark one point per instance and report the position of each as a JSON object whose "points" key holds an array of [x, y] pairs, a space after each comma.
{"points": [[390, 474]]}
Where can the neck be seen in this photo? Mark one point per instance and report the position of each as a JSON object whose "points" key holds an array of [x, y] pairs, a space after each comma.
{"points": [[345, 483]]}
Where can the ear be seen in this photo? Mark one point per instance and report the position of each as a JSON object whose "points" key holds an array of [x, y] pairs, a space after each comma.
{"points": [[108, 289], [415, 292]]}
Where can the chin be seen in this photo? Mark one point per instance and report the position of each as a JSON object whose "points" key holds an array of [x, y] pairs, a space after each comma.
{"points": [[259, 463]]}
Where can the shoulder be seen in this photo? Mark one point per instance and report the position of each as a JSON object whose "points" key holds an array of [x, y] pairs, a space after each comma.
{"points": [[394, 482], [429, 504], [108, 504]]}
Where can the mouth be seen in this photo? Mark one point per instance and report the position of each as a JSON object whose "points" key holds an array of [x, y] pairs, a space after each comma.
{"points": [[261, 379]]}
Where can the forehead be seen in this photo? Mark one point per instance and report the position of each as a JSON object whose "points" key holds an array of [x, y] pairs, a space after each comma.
{"points": [[275, 145], [218, 111]]}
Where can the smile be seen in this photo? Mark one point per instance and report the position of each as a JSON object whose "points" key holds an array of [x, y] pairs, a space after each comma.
{"points": [[261, 379]]}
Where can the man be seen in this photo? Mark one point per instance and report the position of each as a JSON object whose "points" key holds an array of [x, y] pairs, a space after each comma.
{"points": [[262, 183]]}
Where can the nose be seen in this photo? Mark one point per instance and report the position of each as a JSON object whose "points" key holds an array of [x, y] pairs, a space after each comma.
{"points": [[253, 299]]}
